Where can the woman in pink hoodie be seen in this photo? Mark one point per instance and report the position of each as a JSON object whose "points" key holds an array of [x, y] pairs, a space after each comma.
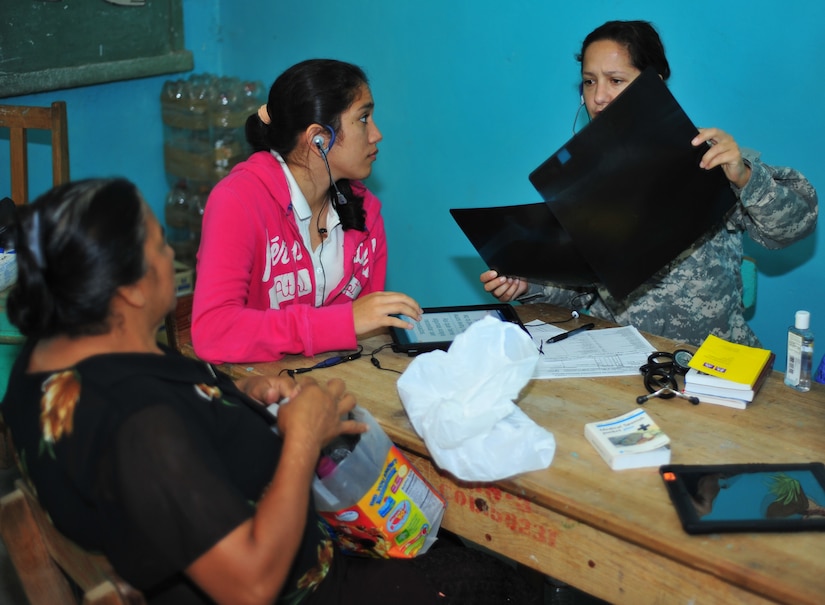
{"points": [[293, 252]]}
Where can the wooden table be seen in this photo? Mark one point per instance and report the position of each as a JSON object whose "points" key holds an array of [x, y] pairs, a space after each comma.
{"points": [[615, 534]]}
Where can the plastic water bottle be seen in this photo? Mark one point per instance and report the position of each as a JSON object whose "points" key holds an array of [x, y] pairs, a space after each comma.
{"points": [[177, 216]]}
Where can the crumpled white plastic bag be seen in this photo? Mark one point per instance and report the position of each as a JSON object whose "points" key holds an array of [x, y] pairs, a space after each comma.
{"points": [[461, 403]]}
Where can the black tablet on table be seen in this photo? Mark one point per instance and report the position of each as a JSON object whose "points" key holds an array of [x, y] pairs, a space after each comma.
{"points": [[440, 325], [747, 497]]}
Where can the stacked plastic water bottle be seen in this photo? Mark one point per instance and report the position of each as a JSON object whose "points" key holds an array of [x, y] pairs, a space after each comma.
{"points": [[203, 131]]}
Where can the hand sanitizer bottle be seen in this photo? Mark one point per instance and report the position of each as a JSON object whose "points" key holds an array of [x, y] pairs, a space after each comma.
{"points": [[800, 352]]}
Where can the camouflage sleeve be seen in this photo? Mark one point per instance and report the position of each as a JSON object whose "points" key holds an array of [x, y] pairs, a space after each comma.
{"points": [[554, 295], [778, 205]]}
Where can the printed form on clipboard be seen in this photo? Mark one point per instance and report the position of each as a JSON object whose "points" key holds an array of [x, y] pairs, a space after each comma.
{"points": [[601, 352]]}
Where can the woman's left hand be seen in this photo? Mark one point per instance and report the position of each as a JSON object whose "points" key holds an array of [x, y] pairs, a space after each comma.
{"points": [[268, 389], [723, 152]]}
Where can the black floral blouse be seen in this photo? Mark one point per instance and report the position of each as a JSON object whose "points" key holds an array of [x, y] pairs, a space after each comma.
{"points": [[150, 459]]}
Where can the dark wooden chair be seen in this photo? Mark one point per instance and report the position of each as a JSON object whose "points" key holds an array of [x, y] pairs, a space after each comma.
{"points": [[52, 569], [178, 324], [19, 119]]}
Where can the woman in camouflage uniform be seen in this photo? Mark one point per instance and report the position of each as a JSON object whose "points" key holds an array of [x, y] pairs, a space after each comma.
{"points": [[699, 292]]}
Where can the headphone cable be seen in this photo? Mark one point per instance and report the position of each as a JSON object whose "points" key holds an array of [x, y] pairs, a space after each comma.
{"points": [[576, 117], [338, 197], [328, 363], [374, 360]]}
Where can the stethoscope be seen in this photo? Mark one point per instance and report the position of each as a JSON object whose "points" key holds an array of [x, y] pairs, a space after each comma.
{"points": [[660, 374]]}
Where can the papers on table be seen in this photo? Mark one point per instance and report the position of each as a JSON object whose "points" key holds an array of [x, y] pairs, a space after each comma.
{"points": [[604, 352]]}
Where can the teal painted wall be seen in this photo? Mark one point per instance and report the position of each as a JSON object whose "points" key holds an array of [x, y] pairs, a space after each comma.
{"points": [[471, 96]]}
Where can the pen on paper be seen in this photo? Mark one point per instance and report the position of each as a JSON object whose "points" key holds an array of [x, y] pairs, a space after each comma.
{"points": [[560, 337]]}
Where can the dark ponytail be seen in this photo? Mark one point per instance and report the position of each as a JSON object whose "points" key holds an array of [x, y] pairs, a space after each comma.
{"points": [[75, 245]]}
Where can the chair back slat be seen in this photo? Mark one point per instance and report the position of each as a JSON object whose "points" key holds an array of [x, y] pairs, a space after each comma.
{"points": [[44, 558], [21, 118]]}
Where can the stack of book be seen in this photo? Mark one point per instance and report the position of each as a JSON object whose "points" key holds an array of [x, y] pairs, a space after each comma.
{"points": [[632, 440], [725, 373]]}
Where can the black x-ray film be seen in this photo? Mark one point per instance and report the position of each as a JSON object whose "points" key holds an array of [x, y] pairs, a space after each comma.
{"points": [[628, 188], [623, 197]]}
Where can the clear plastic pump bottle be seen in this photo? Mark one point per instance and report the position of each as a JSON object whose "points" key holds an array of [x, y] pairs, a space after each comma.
{"points": [[800, 352]]}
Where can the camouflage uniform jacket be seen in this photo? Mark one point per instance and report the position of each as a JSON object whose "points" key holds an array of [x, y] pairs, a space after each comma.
{"points": [[700, 292]]}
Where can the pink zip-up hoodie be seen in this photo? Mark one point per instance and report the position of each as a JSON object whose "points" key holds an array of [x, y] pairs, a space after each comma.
{"points": [[255, 287]]}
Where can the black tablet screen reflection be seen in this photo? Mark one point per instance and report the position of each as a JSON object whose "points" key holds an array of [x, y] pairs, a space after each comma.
{"points": [[773, 495]]}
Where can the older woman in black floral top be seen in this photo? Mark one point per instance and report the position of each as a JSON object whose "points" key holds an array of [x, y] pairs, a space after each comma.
{"points": [[163, 463]]}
